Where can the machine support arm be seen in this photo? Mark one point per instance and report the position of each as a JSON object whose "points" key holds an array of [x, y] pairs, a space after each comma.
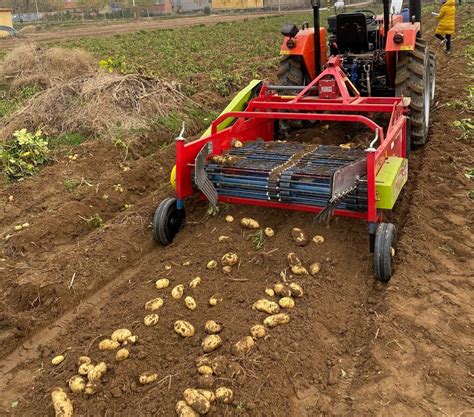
{"points": [[317, 40]]}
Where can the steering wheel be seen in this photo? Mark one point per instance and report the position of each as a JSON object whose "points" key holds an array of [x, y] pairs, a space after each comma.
{"points": [[370, 19]]}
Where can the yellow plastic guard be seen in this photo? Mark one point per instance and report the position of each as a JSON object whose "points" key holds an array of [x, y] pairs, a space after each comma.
{"points": [[390, 180]]}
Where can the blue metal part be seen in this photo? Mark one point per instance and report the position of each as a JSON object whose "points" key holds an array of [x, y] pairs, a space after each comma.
{"points": [[179, 204], [354, 76]]}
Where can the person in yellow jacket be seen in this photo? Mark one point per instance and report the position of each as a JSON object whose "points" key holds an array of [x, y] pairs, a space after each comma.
{"points": [[446, 18]]}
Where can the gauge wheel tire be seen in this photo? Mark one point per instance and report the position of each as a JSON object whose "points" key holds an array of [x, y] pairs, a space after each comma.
{"points": [[413, 81], [384, 251], [167, 221]]}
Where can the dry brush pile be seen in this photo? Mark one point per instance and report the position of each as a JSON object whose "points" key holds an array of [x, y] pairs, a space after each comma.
{"points": [[77, 97]]}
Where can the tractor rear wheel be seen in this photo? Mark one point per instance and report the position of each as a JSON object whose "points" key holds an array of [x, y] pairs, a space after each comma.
{"points": [[413, 80]]}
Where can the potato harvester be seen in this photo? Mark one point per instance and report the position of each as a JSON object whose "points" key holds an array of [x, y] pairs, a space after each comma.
{"points": [[240, 160]]}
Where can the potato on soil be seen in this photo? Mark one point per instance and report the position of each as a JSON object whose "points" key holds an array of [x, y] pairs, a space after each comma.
{"points": [[77, 383], [270, 292], [278, 288], [195, 282], [224, 238], [276, 320], [318, 239], [120, 335], [184, 410], [296, 290], [206, 381], [83, 359], [227, 269], [61, 403], [131, 339], [154, 304], [102, 367], [258, 331], [229, 219], [211, 343], [268, 231], [151, 320], [177, 292], [211, 264], [95, 374], [190, 303], [230, 259], [212, 327], [314, 268], [147, 378], [224, 395], [293, 259], [57, 360], [122, 354], [215, 299], [184, 328], [243, 346], [299, 270], [299, 236], [248, 223], [210, 396], [93, 387], [286, 302], [219, 365], [202, 361], [85, 368], [162, 283], [205, 370], [197, 401], [266, 306], [108, 344]]}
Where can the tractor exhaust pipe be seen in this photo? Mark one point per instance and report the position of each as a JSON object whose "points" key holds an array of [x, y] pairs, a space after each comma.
{"points": [[317, 40], [386, 20]]}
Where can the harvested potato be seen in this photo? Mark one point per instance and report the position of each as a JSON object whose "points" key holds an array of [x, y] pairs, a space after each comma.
{"points": [[131, 339], [212, 327], [266, 306], [318, 239], [286, 302], [203, 361], [162, 283], [230, 259], [108, 344], [229, 219], [184, 328], [147, 378], [210, 396], [219, 365], [184, 410], [151, 320], [83, 359], [61, 403], [205, 370], [224, 238], [206, 381], [96, 373], [258, 331], [92, 387], [268, 231], [211, 265], [227, 269], [85, 368], [296, 290], [120, 335], [57, 360], [177, 292], [102, 367], [190, 303], [197, 401], [224, 395], [269, 292], [216, 298], [154, 304], [293, 259], [276, 320], [314, 268], [243, 346], [195, 282], [299, 236], [122, 354], [278, 288], [299, 270], [186, 263], [77, 383], [211, 343], [248, 223], [237, 143]]}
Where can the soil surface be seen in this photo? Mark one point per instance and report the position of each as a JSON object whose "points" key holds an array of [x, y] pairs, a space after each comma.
{"points": [[353, 346]]}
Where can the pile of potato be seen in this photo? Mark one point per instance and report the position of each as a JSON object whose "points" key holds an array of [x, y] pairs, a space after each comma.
{"points": [[198, 401]]}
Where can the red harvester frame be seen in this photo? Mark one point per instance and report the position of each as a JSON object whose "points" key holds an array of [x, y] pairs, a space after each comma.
{"points": [[257, 121]]}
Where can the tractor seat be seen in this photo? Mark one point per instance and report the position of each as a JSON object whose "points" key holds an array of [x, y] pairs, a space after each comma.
{"points": [[351, 33]]}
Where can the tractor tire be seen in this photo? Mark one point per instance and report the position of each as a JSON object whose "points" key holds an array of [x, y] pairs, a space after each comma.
{"points": [[413, 81], [291, 73]]}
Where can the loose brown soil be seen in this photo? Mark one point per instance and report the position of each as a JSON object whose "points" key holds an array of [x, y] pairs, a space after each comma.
{"points": [[353, 346]]}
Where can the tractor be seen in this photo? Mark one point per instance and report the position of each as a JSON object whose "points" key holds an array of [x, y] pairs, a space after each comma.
{"points": [[397, 65], [378, 74]]}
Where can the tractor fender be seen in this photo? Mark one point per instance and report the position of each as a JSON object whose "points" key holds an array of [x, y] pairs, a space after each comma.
{"points": [[406, 32], [304, 47]]}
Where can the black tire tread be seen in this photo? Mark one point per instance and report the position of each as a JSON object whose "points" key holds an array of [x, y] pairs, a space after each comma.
{"points": [[160, 220], [385, 239]]}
